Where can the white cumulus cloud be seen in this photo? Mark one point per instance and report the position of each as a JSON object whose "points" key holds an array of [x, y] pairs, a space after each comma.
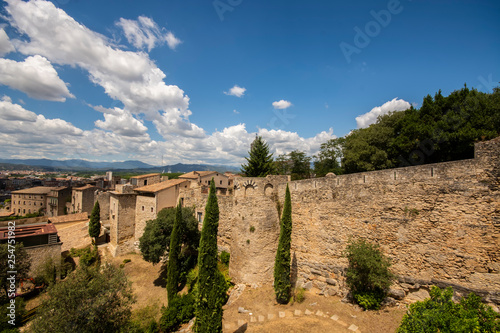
{"points": [[369, 118], [36, 77], [120, 122], [236, 91], [282, 104], [129, 77], [5, 44], [144, 32]]}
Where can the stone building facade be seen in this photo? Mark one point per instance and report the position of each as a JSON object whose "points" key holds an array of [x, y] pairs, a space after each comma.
{"points": [[82, 199], [30, 200], [144, 180], [56, 201], [122, 203]]}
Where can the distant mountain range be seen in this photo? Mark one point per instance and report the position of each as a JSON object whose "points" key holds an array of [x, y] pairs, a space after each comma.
{"points": [[82, 165]]}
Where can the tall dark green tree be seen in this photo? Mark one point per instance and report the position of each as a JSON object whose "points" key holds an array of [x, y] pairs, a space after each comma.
{"points": [[260, 160], [282, 283], [95, 222], [211, 284], [173, 268]]}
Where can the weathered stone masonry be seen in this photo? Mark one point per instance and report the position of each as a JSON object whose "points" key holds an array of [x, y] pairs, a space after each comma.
{"points": [[439, 223]]}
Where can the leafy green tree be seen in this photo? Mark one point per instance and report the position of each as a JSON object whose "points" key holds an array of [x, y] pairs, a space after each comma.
{"points": [[96, 299], [440, 314], [21, 264], [173, 256], [212, 286], [368, 275], [444, 128], [95, 222], [282, 283], [301, 164], [328, 158], [260, 160], [155, 241]]}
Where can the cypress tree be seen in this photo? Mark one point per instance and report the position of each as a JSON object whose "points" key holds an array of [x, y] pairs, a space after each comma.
{"points": [[173, 267], [282, 284], [260, 161], [211, 284], [95, 222]]}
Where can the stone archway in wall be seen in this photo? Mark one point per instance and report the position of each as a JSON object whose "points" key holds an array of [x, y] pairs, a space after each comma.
{"points": [[268, 190], [249, 187]]}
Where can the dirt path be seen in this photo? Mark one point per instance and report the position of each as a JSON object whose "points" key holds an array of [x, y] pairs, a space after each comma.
{"points": [[315, 314]]}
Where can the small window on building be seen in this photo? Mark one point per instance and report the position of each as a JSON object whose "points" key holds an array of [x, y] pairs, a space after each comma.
{"points": [[151, 209], [24, 211], [200, 215], [221, 182], [24, 202], [142, 208]]}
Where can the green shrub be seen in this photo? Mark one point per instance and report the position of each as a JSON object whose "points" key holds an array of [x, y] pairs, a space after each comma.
{"points": [[224, 257], [368, 275], [252, 229], [299, 296], [126, 261], [46, 273], [440, 314], [369, 300], [180, 310], [89, 257]]}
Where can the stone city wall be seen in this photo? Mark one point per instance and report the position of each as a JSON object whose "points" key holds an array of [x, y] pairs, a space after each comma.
{"points": [[439, 223]]}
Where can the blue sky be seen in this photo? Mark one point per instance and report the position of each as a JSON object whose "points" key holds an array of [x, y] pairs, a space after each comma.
{"points": [[195, 81]]}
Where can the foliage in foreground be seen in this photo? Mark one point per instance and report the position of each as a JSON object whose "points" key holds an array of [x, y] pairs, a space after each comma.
{"points": [[14, 317], [155, 241], [282, 283], [440, 314], [368, 275], [212, 286], [179, 311], [22, 263], [92, 299]]}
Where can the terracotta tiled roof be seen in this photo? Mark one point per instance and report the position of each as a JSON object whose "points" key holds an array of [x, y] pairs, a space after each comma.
{"points": [[29, 230], [145, 176], [35, 190], [160, 186], [194, 174], [83, 187]]}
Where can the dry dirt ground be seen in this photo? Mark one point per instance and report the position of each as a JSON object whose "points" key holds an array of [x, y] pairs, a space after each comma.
{"points": [[147, 280], [265, 315]]}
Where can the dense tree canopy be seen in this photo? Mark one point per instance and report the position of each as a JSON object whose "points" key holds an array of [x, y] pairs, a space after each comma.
{"points": [[94, 299], [155, 241], [442, 129], [260, 160], [296, 163]]}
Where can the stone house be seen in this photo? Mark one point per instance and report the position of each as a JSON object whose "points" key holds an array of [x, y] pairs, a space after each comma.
{"points": [[122, 203], [223, 183], [30, 200], [82, 199], [144, 180], [56, 201], [153, 198]]}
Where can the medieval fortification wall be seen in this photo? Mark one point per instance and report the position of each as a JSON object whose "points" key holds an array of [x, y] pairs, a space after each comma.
{"points": [[439, 223]]}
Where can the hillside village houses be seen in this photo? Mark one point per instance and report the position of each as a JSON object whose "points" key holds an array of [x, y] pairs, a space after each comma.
{"points": [[125, 208]]}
